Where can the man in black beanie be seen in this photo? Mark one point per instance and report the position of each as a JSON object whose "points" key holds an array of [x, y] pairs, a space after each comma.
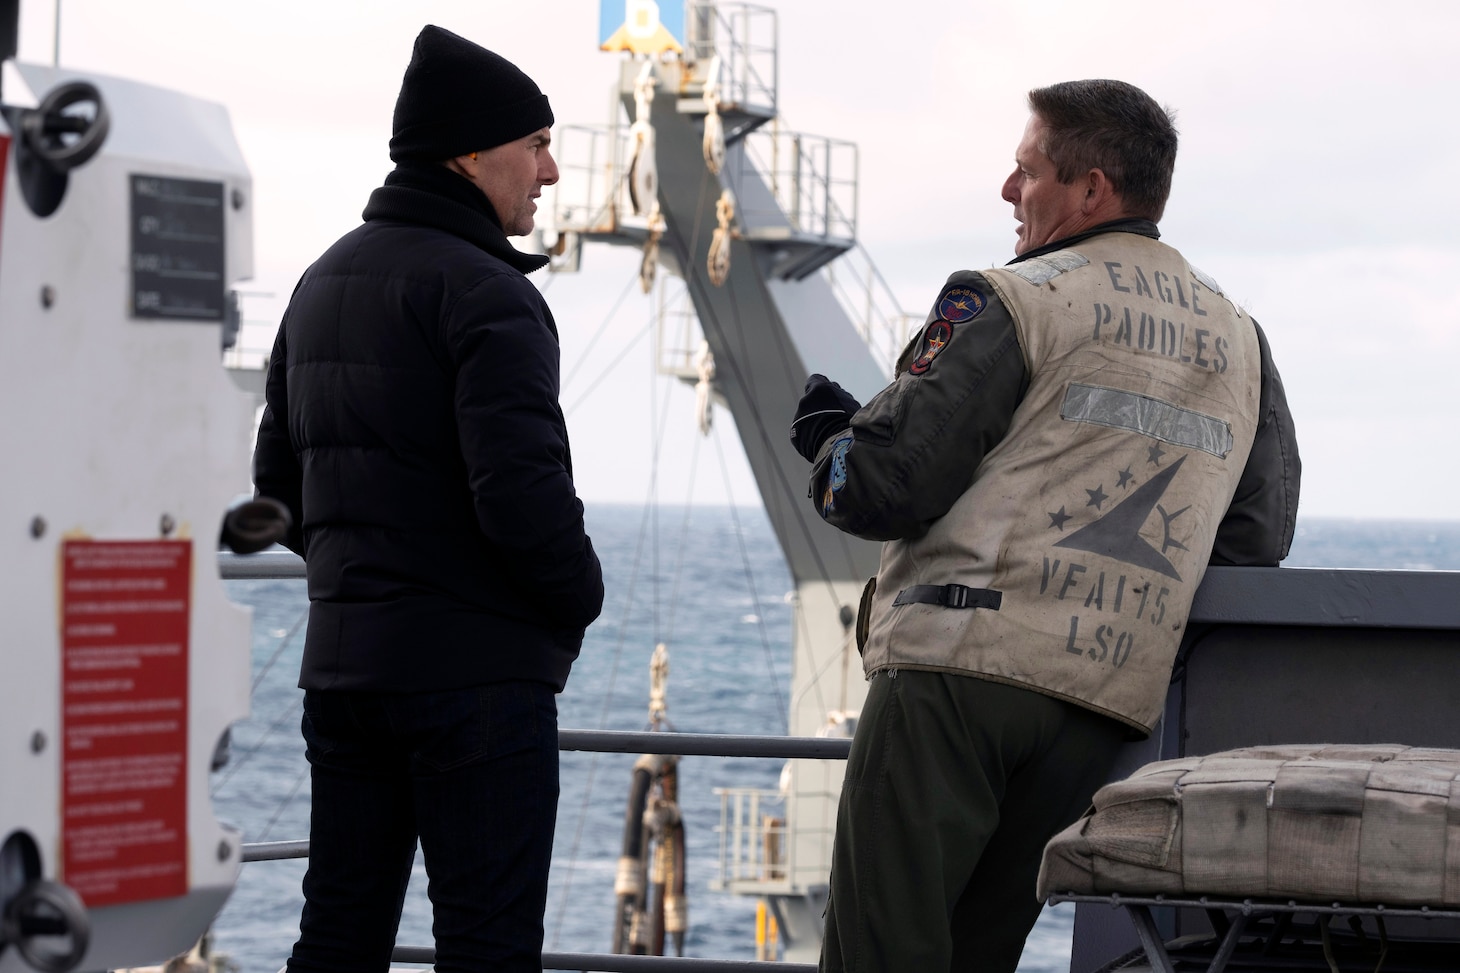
{"points": [[412, 427]]}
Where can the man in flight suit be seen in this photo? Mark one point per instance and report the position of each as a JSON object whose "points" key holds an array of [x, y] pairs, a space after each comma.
{"points": [[1068, 442]]}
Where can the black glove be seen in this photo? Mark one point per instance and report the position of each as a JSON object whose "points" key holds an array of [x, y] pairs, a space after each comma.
{"points": [[825, 407]]}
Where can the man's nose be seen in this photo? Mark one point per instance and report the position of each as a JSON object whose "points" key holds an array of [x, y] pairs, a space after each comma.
{"points": [[1011, 188], [547, 173]]}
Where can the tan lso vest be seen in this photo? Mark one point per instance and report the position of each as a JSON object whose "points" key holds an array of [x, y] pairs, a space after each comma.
{"points": [[1095, 515]]}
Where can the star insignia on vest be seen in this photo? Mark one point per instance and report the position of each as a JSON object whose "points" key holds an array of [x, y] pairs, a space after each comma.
{"points": [[958, 304], [935, 339], [1117, 534], [838, 475]]}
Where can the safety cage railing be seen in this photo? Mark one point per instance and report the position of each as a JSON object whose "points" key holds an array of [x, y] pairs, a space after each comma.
{"points": [[812, 178], [743, 35]]}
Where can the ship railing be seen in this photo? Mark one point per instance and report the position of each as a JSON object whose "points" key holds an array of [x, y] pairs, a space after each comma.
{"points": [[812, 178], [630, 741], [611, 963], [744, 37], [620, 741], [757, 853], [867, 297], [854, 281], [680, 339], [283, 565], [247, 356], [592, 196]]}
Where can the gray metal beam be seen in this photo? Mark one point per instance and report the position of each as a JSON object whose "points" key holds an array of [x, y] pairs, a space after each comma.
{"points": [[761, 367]]}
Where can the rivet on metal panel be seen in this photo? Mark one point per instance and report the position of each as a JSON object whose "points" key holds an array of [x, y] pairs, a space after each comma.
{"points": [[37, 742], [48, 296], [167, 525], [237, 198], [225, 851], [37, 527]]}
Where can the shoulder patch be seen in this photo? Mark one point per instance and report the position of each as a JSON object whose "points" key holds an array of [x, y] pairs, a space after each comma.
{"points": [[959, 303], [837, 478], [1040, 270], [935, 339]]}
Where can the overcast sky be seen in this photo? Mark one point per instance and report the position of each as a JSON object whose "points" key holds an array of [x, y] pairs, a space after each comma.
{"points": [[1316, 181]]}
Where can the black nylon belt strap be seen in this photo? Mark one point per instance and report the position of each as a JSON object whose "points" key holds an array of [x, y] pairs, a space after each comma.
{"points": [[950, 596]]}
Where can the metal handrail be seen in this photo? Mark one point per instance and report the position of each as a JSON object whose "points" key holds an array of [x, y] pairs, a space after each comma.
{"points": [[592, 196], [868, 299], [611, 963], [265, 566], [604, 741], [1249, 596], [705, 744], [805, 173], [626, 741], [273, 851], [276, 565], [745, 58]]}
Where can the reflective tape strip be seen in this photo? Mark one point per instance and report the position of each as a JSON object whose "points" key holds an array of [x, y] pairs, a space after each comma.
{"points": [[1041, 270], [1206, 281], [1142, 414]]}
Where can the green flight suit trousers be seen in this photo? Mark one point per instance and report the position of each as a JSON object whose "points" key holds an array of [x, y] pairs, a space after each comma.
{"points": [[954, 785]]}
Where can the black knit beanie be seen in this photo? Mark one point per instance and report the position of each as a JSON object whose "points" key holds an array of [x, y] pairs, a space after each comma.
{"points": [[459, 97]]}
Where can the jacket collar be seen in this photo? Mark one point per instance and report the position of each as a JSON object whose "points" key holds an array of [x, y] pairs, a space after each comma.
{"points": [[1130, 224], [432, 195]]}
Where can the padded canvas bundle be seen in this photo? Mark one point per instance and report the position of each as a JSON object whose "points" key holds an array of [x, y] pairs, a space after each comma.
{"points": [[1373, 824]]}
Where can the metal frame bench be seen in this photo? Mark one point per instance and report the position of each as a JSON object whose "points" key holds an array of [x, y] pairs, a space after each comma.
{"points": [[1232, 918]]}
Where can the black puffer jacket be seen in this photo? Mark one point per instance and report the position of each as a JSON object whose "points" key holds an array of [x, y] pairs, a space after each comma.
{"points": [[412, 427]]}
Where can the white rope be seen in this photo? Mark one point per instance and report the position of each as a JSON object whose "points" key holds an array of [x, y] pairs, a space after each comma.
{"points": [[704, 388], [718, 263], [643, 174], [650, 261], [714, 141], [658, 686]]}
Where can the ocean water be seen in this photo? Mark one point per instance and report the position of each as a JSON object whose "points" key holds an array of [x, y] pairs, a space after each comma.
{"points": [[710, 583]]}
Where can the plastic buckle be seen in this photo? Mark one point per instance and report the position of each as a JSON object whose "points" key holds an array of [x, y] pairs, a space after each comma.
{"points": [[955, 595]]}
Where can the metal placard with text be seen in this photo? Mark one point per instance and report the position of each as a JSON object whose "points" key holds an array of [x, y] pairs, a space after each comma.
{"points": [[177, 249], [125, 612]]}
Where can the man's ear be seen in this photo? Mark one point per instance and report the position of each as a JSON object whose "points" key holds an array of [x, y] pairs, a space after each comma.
{"points": [[464, 165], [1098, 191]]}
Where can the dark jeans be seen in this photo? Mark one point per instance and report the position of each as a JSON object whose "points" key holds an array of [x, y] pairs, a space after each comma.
{"points": [[954, 785], [474, 774]]}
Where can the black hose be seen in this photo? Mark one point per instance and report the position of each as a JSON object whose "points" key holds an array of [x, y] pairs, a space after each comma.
{"points": [[629, 885]]}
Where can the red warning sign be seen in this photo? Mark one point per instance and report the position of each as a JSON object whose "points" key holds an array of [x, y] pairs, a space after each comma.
{"points": [[124, 651]]}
